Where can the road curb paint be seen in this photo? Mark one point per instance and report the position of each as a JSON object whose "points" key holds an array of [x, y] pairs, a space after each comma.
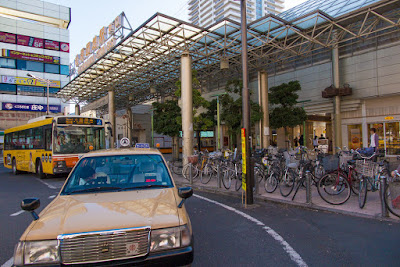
{"points": [[294, 256], [8, 263]]}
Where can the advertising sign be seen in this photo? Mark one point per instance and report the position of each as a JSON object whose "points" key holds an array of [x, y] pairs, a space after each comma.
{"points": [[7, 37], [30, 107], [79, 121], [30, 56], [28, 81], [244, 159], [29, 41], [52, 45], [64, 47]]}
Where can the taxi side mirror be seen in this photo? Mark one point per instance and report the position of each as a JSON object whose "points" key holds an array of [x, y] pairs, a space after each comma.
{"points": [[30, 204], [184, 193]]}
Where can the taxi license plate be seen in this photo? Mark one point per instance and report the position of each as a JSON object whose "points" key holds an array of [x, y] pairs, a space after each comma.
{"points": [[132, 249]]}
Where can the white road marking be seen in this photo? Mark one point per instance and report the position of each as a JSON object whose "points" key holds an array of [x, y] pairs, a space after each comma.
{"points": [[47, 184], [289, 250], [8, 263], [17, 213], [53, 196]]}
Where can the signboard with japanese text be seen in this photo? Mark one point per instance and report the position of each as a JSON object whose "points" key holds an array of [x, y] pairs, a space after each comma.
{"points": [[30, 107], [51, 45], [243, 134], [29, 41], [28, 81], [8, 37], [79, 121], [30, 56]]}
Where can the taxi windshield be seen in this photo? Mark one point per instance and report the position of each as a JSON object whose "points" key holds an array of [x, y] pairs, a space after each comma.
{"points": [[118, 173]]}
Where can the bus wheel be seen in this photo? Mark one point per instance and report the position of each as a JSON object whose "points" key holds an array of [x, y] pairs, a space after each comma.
{"points": [[39, 170], [14, 167]]}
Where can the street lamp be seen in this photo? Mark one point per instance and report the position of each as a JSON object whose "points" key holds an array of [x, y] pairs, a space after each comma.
{"points": [[48, 85]]}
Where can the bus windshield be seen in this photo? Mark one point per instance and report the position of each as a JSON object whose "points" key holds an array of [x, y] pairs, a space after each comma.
{"points": [[73, 139]]}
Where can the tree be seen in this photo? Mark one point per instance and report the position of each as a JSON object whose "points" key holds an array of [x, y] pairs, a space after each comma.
{"points": [[285, 113], [201, 117], [232, 109], [168, 121]]}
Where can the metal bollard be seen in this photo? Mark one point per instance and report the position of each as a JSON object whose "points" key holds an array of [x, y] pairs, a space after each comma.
{"points": [[219, 176], [383, 181], [190, 174], [308, 188]]}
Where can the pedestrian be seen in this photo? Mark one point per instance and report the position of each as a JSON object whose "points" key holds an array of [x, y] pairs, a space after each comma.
{"points": [[374, 140], [315, 142], [296, 142], [301, 140], [322, 137]]}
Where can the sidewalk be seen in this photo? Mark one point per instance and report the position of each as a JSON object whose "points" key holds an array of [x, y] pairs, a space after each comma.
{"points": [[372, 208]]}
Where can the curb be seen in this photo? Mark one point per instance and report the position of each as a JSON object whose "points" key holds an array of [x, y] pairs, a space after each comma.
{"points": [[287, 202]]}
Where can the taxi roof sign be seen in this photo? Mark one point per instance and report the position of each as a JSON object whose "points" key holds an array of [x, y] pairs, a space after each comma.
{"points": [[142, 145]]}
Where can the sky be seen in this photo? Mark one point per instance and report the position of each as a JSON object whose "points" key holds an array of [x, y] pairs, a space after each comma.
{"points": [[89, 16]]}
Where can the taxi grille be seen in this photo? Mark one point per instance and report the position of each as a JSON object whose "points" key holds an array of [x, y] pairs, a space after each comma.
{"points": [[104, 246]]}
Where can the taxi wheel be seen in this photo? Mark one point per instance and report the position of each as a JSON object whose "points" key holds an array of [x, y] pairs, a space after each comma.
{"points": [[39, 170], [14, 167]]}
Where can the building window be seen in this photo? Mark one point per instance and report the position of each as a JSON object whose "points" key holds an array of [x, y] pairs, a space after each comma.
{"points": [[30, 90], [53, 91], [64, 69], [30, 65], [6, 88], [392, 138], [219, 12], [52, 68], [355, 136], [7, 63]]}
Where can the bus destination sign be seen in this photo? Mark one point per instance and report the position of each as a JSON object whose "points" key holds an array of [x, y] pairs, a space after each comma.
{"points": [[79, 121]]}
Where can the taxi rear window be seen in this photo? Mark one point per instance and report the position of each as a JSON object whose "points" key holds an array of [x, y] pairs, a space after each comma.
{"points": [[118, 173]]}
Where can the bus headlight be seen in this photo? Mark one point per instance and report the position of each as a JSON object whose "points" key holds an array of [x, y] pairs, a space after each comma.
{"points": [[60, 164]]}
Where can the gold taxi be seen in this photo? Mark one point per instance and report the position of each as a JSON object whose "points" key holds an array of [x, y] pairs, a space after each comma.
{"points": [[117, 207]]}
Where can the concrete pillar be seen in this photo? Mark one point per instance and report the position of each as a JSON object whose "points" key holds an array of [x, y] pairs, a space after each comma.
{"points": [[77, 109], [337, 100], [111, 115], [187, 106], [365, 132], [129, 123], [265, 131]]}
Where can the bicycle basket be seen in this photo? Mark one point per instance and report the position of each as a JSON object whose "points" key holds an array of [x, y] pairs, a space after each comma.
{"points": [[193, 159], [345, 158], [330, 162], [367, 168]]}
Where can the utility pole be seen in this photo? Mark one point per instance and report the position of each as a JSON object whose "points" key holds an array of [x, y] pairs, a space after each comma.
{"points": [[247, 170]]}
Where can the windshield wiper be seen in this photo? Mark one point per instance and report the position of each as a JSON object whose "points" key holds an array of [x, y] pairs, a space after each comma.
{"points": [[95, 189], [146, 186]]}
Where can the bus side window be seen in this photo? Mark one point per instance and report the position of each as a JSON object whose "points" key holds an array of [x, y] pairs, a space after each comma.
{"points": [[14, 140], [29, 139], [38, 138], [48, 138]]}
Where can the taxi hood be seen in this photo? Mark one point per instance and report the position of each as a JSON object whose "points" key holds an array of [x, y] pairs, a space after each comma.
{"points": [[78, 213]]}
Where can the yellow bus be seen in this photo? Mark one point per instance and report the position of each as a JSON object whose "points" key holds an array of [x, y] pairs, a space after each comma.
{"points": [[51, 145]]}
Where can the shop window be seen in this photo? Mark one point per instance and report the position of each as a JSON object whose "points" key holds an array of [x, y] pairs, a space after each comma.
{"points": [[355, 136], [379, 131], [7, 63], [6, 88], [52, 68], [30, 65], [64, 69], [392, 138]]}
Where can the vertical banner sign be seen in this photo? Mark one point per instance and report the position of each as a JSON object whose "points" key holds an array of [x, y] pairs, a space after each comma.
{"points": [[244, 159]]}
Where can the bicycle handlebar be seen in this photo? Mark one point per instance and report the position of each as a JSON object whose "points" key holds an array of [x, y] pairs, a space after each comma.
{"points": [[364, 157]]}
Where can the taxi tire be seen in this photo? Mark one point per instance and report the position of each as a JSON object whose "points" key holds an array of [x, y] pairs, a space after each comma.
{"points": [[39, 170], [14, 167]]}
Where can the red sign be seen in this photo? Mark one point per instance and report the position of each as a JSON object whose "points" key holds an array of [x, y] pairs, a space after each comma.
{"points": [[30, 56], [52, 45], [7, 37], [64, 47], [29, 41]]}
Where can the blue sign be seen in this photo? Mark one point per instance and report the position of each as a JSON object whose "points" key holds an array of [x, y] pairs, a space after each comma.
{"points": [[30, 107], [142, 145]]}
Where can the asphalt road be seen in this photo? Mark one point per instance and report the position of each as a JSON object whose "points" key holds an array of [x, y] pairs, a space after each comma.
{"points": [[227, 234]]}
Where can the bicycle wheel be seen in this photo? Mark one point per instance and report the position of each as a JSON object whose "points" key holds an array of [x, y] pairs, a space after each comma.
{"points": [[271, 183], [227, 178], [186, 171], [177, 167], [362, 194], [258, 174], [287, 183], [319, 172], [238, 183], [392, 198], [355, 184], [207, 174], [334, 189]]}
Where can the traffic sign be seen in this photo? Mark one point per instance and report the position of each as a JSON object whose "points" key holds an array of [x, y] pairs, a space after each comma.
{"points": [[124, 142]]}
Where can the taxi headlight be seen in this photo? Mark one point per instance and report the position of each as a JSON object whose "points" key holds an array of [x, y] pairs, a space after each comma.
{"points": [[36, 252], [170, 238]]}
